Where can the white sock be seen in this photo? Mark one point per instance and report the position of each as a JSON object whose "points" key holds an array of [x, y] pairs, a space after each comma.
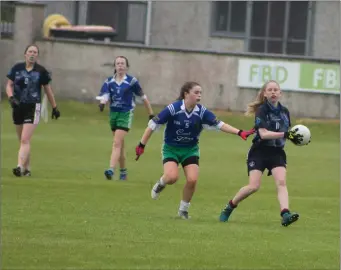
{"points": [[184, 206], [161, 182]]}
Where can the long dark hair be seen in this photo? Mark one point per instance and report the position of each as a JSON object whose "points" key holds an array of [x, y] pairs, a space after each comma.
{"points": [[187, 86], [31, 45], [125, 58]]}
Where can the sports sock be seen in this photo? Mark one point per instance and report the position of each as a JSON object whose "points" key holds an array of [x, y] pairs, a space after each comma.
{"points": [[284, 211], [21, 168], [161, 182], [184, 206], [232, 205]]}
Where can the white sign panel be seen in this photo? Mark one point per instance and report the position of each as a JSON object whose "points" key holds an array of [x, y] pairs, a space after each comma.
{"points": [[254, 73]]}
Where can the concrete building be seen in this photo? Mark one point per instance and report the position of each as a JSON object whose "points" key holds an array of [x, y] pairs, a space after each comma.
{"points": [[309, 28], [201, 41]]}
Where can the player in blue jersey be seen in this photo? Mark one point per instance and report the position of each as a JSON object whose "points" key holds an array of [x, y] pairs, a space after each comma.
{"points": [[272, 124], [184, 119], [25, 80], [120, 91]]}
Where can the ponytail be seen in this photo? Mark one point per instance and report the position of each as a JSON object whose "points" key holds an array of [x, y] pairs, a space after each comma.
{"points": [[260, 99]]}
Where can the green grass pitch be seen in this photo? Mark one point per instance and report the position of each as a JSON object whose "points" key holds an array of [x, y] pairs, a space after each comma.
{"points": [[66, 216]]}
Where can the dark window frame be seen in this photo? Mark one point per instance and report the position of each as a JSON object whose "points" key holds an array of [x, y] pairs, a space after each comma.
{"points": [[228, 32], [285, 39], [121, 20]]}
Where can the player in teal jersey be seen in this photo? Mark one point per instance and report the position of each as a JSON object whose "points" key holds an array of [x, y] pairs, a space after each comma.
{"points": [[272, 124]]}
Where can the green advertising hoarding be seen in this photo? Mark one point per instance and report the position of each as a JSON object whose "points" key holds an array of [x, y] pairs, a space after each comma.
{"points": [[320, 77], [291, 75]]}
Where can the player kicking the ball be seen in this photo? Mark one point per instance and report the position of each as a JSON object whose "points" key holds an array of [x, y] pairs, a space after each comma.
{"points": [[272, 123], [184, 119]]}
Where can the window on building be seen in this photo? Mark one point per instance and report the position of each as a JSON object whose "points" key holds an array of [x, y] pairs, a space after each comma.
{"points": [[7, 14], [128, 18], [229, 18], [274, 27]]}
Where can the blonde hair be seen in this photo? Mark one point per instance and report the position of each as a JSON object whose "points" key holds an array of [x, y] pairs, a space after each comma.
{"points": [[260, 99]]}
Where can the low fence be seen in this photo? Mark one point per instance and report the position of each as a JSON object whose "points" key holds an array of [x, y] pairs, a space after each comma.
{"points": [[229, 81]]}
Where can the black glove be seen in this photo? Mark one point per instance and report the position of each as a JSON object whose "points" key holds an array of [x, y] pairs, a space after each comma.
{"points": [[14, 102], [151, 116], [55, 113], [293, 136], [101, 107]]}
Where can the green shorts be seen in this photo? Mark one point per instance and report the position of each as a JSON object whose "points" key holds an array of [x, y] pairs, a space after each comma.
{"points": [[121, 120], [183, 155]]}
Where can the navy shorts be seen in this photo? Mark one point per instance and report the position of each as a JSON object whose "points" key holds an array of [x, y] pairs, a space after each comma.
{"points": [[26, 113], [266, 158]]}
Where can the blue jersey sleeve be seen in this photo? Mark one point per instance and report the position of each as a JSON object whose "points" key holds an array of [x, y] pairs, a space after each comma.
{"points": [[104, 93], [104, 89], [260, 119], [11, 74], [136, 87], [160, 119], [210, 121], [288, 113], [45, 77]]}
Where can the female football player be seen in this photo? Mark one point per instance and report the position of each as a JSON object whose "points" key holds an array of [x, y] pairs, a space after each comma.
{"points": [[119, 90], [272, 124], [184, 119], [25, 80]]}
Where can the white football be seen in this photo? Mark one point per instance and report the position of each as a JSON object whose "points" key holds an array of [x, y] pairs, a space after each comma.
{"points": [[305, 132]]}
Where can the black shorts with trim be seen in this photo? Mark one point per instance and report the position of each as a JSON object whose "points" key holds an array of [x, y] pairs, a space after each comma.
{"points": [[26, 113], [265, 158], [186, 162]]}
